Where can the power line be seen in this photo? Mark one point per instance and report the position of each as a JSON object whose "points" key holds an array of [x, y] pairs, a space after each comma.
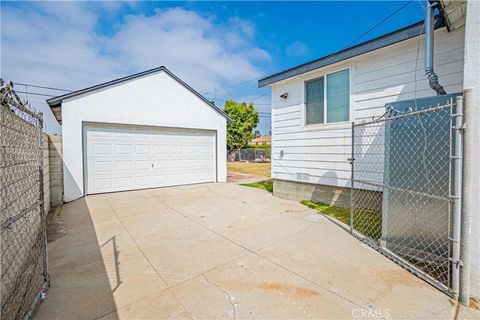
{"points": [[355, 40], [76, 48], [41, 87], [262, 95], [223, 100], [378, 24], [35, 94], [233, 85]]}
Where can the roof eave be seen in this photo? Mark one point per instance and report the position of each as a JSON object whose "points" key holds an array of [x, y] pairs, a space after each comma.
{"points": [[56, 102]]}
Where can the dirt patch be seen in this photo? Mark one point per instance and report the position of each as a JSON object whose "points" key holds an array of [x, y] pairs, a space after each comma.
{"points": [[400, 277], [236, 177], [297, 292], [56, 229], [383, 282], [475, 303]]}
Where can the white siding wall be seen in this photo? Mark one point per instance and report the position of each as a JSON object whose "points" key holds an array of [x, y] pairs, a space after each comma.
{"points": [[318, 153]]}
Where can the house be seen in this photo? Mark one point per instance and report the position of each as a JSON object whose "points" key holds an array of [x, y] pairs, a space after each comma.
{"points": [[310, 143], [262, 140], [145, 130], [314, 104]]}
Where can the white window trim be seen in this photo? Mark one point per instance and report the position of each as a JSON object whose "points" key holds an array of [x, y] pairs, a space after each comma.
{"points": [[326, 124]]}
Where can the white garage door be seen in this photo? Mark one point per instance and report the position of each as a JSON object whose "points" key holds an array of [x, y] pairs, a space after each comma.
{"points": [[129, 157]]}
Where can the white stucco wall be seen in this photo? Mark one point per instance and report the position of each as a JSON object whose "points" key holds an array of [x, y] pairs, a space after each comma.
{"points": [[154, 100], [472, 80]]}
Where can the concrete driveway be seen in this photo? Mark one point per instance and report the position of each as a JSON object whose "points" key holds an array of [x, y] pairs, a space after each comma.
{"points": [[221, 251]]}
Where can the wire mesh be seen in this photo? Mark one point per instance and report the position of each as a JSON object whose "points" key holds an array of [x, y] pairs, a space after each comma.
{"points": [[251, 155], [401, 188], [24, 276]]}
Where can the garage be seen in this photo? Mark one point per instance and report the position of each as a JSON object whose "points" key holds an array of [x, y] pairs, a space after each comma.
{"points": [[122, 158], [146, 130]]}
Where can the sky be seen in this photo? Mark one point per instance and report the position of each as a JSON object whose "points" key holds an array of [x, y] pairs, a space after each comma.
{"points": [[219, 48]]}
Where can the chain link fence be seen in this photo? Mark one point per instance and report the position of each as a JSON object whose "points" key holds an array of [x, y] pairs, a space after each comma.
{"points": [[24, 276], [251, 155], [402, 198]]}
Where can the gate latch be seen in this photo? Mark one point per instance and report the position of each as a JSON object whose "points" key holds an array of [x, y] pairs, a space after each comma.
{"points": [[458, 262]]}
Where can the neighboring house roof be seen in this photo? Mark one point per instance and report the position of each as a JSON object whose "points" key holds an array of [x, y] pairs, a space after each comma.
{"points": [[399, 35], [262, 139], [55, 103]]}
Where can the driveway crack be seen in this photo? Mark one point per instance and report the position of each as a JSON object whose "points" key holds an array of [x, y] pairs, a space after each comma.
{"points": [[230, 298]]}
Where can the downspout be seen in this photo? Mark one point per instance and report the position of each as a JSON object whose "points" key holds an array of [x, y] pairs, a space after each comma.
{"points": [[429, 44]]}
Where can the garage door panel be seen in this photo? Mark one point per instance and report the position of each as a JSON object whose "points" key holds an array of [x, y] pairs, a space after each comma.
{"points": [[102, 148], [123, 149], [142, 148], [123, 165], [123, 182], [126, 158], [143, 181], [190, 149], [103, 184], [102, 166], [160, 148], [160, 164], [175, 149]]}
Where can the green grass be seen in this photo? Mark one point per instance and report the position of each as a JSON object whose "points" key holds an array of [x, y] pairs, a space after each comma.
{"points": [[367, 222], [254, 168], [341, 214], [264, 185]]}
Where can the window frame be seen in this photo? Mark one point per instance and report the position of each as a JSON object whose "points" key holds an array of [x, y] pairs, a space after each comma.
{"points": [[325, 105]]}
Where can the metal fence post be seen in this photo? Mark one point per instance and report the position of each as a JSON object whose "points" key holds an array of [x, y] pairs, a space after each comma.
{"points": [[469, 195], [43, 214], [456, 158], [352, 164]]}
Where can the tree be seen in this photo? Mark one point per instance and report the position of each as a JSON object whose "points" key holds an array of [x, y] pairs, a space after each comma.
{"points": [[240, 130]]}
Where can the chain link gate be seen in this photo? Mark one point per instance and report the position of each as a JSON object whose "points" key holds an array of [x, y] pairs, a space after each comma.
{"points": [[405, 187], [24, 275]]}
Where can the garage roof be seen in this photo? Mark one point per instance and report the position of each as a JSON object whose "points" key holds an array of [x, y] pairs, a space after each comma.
{"points": [[396, 36], [55, 103]]}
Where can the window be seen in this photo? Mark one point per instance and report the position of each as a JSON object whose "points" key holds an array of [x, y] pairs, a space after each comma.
{"points": [[315, 100], [334, 93]]}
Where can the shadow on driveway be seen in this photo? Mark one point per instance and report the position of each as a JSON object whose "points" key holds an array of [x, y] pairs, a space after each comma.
{"points": [[81, 267]]}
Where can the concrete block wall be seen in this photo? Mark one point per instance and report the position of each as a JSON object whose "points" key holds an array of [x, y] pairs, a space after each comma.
{"points": [[46, 173], [294, 190], [56, 170]]}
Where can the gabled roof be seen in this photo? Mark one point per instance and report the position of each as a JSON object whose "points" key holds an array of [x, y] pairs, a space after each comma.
{"points": [[55, 103], [396, 36]]}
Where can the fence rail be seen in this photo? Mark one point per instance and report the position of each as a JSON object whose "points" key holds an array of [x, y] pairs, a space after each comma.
{"points": [[404, 186], [24, 271]]}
